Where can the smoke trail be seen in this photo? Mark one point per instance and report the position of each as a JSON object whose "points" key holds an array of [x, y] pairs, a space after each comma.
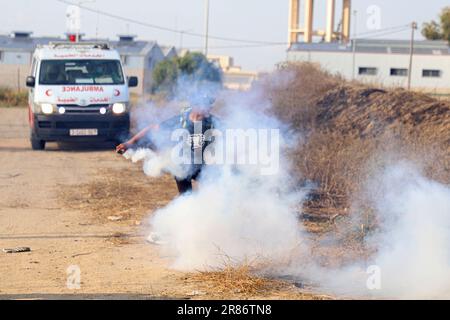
{"points": [[155, 163]]}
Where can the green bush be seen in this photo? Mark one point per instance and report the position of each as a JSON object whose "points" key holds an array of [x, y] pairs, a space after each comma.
{"points": [[192, 67]]}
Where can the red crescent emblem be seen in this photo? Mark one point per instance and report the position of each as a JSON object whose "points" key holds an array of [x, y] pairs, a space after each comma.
{"points": [[48, 93], [116, 92]]}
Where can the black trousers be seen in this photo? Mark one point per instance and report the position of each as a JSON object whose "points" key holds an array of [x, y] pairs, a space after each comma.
{"points": [[185, 185]]}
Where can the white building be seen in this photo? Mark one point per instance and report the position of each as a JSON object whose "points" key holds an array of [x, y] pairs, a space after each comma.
{"points": [[234, 78], [383, 62]]}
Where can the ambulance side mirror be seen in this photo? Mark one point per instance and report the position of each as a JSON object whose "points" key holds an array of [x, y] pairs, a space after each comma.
{"points": [[31, 82], [132, 82]]}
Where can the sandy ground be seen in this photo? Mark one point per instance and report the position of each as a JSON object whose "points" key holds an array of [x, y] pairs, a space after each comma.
{"points": [[52, 202], [31, 215]]}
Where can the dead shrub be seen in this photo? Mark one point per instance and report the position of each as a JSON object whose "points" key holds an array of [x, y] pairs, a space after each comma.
{"points": [[13, 98], [352, 130], [294, 90]]}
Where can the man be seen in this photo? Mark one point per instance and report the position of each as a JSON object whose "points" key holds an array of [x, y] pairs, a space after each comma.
{"points": [[196, 120]]}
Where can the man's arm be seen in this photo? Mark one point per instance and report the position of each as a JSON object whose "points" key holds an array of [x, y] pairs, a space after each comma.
{"points": [[121, 148]]}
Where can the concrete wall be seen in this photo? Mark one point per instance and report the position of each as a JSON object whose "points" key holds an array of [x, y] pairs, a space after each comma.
{"points": [[132, 72], [13, 75], [14, 68], [133, 62], [341, 62], [142, 67], [15, 57], [238, 80]]}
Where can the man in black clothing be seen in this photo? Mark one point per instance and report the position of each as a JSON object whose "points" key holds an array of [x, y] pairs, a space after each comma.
{"points": [[196, 121]]}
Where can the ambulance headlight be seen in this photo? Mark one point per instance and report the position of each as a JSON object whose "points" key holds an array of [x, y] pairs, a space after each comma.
{"points": [[119, 108], [47, 108]]}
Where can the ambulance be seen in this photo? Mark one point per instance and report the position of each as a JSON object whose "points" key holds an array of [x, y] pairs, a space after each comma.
{"points": [[78, 91]]}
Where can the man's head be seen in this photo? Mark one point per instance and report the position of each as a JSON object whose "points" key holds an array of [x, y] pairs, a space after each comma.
{"points": [[100, 69], [202, 102], [198, 114], [54, 71]]}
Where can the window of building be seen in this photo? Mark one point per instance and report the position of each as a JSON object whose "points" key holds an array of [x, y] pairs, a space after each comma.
{"points": [[367, 71], [399, 72], [430, 73]]}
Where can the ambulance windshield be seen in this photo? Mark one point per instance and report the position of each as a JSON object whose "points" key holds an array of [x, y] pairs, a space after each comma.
{"points": [[73, 72]]}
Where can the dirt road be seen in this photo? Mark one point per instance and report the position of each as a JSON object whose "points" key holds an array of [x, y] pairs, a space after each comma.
{"points": [[62, 203], [32, 214]]}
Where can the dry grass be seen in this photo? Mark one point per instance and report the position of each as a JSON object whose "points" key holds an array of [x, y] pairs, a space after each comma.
{"points": [[13, 98], [125, 193], [352, 130], [240, 282], [232, 280]]}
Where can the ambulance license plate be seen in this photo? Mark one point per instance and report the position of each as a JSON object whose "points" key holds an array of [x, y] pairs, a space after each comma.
{"points": [[83, 132]]}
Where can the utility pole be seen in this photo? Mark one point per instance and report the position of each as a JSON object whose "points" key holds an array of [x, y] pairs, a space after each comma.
{"points": [[411, 53], [355, 14], [206, 26], [97, 25], [77, 35], [181, 40]]}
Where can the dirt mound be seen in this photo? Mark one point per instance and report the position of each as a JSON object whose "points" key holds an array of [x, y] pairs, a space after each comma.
{"points": [[350, 128], [370, 112]]}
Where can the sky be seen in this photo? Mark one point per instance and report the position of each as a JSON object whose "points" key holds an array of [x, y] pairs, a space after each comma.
{"points": [[249, 20]]}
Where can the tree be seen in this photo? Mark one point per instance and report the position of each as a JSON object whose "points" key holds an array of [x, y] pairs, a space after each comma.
{"points": [[192, 67], [431, 31], [445, 23], [165, 74], [438, 31]]}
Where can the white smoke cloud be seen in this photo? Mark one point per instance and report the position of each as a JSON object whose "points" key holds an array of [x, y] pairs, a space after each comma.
{"points": [[233, 216], [414, 236], [412, 242], [155, 163], [238, 215]]}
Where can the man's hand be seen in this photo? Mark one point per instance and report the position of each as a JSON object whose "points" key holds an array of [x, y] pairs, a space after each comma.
{"points": [[121, 148]]}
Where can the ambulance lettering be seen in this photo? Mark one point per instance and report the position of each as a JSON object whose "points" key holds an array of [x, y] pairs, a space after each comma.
{"points": [[82, 89]]}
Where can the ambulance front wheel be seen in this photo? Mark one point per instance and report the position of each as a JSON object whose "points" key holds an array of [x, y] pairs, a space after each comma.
{"points": [[37, 144]]}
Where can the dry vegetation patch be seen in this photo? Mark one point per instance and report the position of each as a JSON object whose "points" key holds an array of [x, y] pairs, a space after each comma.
{"points": [[13, 98], [125, 195], [241, 282], [352, 129]]}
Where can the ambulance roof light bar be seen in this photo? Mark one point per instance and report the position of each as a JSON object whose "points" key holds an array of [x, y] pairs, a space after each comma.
{"points": [[79, 45]]}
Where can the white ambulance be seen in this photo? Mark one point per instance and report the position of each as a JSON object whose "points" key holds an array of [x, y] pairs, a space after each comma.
{"points": [[78, 92]]}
